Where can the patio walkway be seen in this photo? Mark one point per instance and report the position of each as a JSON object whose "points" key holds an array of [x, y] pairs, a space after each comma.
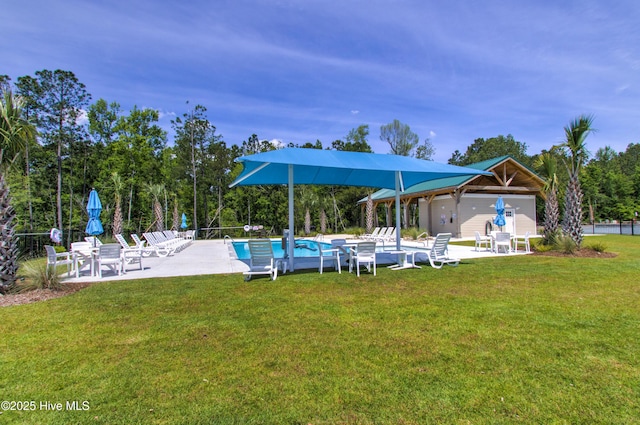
{"points": [[205, 257]]}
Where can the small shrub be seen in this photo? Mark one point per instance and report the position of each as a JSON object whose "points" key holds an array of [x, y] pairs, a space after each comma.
{"points": [[542, 247], [565, 244], [551, 239], [39, 276], [411, 233], [598, 246], [355, 231]]}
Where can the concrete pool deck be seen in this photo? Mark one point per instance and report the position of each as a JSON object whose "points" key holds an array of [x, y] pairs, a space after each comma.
{"points": [[207, 257]]}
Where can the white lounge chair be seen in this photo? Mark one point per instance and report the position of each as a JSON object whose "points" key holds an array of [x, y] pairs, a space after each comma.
{"points": [[147, 250], [365, 252], [438, 256], [130, 254], [160, 249], [93, 240], [331, 254], [388, 235], [172, 238], [109, 255], [261, 259], [55, 259], [373, 234]]}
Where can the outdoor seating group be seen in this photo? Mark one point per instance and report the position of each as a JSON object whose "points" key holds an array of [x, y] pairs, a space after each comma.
{"points": [[353, 254], [508, 242], [93, 255]]}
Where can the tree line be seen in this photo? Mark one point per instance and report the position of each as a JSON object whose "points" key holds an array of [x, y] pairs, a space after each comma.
{"points": [[145, 182]]}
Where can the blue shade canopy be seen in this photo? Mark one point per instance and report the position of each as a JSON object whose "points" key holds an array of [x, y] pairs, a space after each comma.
{"points": [[293, 166], [342, 168], [183, 225], [500, 219], [94, 208]]}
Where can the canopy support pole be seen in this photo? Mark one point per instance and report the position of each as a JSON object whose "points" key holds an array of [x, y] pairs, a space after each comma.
{"points": [[398, 222], [292, 242]]}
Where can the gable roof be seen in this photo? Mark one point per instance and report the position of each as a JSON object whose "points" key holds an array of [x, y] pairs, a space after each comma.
{"points": [[481, 183]]}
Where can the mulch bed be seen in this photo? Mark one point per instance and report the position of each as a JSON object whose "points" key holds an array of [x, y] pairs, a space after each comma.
{"points": [[583, 253], [28, 297]]}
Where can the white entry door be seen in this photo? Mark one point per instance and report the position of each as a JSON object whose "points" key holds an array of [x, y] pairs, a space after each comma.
{"points": [[510, 220]]}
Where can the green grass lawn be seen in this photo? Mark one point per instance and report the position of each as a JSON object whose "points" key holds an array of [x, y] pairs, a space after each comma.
{"points": [[525, 339]]}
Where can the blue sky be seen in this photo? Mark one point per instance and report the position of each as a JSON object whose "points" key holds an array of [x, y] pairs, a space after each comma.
{"points": [[300, 71]]}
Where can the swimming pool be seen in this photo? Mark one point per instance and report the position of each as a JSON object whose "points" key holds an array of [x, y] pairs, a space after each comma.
{"points": [[303, 248]]}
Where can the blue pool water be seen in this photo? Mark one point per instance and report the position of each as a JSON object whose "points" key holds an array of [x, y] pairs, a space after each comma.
{"points": [[304, 248]]}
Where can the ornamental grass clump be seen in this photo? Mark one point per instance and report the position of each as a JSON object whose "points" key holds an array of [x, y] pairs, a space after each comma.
{"points": [[598, 246], [39, 276], [566, 244]]}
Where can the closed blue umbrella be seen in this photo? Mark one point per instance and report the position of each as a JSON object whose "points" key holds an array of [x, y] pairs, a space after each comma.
{"points": [[94, 208], [184, 221], [499, 220]]}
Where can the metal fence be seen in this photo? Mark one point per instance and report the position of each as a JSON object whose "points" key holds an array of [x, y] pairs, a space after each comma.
{"points": [[620, 228], [31, 244]]}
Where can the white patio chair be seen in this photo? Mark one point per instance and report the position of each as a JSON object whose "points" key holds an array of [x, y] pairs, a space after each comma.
{"points": [[502, 239], [109, 255], [331, 254], [261, 260], [339, 244], [438, 256], [482, 240], [365, 252], [55, 259], [523, 241]]}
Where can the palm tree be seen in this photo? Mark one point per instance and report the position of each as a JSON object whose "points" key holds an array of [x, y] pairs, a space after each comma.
{"points": [[156, 191], [323, 221], [308, 199], [15, 133], [547, 166], [575, 146], [369, 215], [175, 224], [118, 185]]}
